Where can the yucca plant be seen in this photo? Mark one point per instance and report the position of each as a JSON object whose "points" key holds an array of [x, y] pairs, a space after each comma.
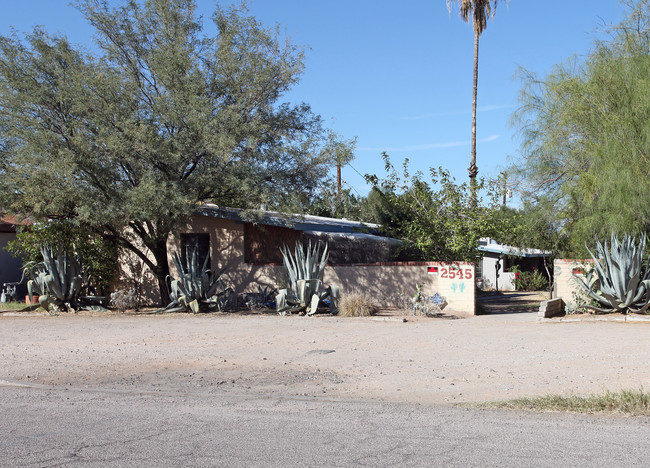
{"points": [[305, 269], [58, 281], [198, 288], [619, 281]]}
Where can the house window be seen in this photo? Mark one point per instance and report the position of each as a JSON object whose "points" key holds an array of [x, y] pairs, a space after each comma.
{"points": [[199, 243], [262, 243]]}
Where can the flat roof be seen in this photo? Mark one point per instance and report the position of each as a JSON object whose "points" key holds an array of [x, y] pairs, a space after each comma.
{"points": [[293, 221], [490, 245]]}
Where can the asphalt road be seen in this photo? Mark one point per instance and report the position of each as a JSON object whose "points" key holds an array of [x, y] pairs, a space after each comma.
{"points": [[51, 426]]}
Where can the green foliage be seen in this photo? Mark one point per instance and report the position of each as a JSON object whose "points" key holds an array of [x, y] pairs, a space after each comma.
{"points": [[533, 226], [127, 141], [198, 288], [585, 138], [331, 204], [578, 302], [437, 221], [627, 402], [16, 306], [620, 280], [58, 281], [531, 281], [306, 289], [99, 255], [427, 306]]}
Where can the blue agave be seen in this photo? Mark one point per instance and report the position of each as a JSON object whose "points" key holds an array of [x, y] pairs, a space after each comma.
{"points": [[620, 280], [306, 291]]}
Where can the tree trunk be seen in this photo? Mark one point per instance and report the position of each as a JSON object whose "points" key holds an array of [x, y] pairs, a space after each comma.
{"points": [[473, 170], [162, 270], [551, 283]]}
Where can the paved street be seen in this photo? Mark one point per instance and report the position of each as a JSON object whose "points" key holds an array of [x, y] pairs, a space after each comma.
{"points": [[75, 427], [260, 391]]}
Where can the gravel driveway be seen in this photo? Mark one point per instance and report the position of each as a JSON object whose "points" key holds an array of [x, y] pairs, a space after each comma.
{"points": [[425, 361]]}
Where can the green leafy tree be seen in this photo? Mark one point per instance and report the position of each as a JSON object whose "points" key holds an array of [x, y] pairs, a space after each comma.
{"points": [[126, 141], [438, 220], [534, 226], [479, 11], [585, 138], [332, 203], [342, 152], [98, 255]]}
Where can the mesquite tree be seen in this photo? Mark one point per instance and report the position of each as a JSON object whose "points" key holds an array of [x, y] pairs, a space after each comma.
{"points": [[127, 138]]}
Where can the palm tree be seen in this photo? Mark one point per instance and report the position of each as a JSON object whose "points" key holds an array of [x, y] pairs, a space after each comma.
{"points": [[480, 11]]}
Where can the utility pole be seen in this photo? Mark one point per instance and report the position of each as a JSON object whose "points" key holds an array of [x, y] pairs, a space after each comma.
{"points": [[338, 180]]}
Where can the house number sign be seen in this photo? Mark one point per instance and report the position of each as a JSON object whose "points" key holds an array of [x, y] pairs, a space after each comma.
{"points": [[452, 273]]}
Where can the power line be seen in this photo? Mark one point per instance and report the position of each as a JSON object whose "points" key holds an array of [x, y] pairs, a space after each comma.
{"points": [[348, 164]]}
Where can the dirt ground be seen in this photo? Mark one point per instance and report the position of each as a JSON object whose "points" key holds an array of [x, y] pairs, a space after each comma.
{"points": [[391, 357]]}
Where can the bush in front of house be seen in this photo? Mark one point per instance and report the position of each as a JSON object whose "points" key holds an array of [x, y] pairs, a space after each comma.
{"points": [[531, 281], [357, 304], [124, 299]]}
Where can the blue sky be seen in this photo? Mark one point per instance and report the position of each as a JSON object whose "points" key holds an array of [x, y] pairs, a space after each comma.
{"points": [[398, 74]]}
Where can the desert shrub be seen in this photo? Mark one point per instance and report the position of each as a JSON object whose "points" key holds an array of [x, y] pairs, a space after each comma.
{"points": [[427, 309], [357, 304], [427, 306], [531, 281], [419, 304], [255, 301], [124, 299], [402, 302]]}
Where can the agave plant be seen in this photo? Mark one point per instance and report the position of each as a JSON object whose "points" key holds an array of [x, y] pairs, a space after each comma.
{"points": [[619, 281], [306, 291], [198, 288], [259, 299], [58, 281]]}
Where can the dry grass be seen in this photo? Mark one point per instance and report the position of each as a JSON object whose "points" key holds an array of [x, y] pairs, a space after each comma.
{"points": [[17, 307], [625, 402], [357, 304]]}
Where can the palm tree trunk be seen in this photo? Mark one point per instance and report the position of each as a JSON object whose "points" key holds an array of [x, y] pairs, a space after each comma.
{"points": [[473, 169]]}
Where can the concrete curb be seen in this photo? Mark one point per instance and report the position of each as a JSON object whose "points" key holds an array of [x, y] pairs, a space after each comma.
{"points": [[596, 318]]}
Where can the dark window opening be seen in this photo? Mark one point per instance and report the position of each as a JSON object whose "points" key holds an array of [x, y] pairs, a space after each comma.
{"points": [[195, 243], [262, 244]]}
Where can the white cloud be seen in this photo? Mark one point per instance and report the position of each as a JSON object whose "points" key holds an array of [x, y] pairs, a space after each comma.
{"points": [[459, 112], [447, 144]]}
